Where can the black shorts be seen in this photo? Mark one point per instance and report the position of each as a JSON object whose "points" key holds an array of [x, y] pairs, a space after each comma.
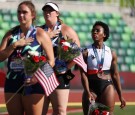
{"points": [[98, 85], [13, 85], [64, 83]]}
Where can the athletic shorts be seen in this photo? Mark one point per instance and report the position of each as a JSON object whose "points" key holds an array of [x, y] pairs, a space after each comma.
{"points": [[64, 83], [98, 85], [14, 85]]}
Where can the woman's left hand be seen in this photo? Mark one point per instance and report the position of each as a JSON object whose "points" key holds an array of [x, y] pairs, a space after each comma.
{"points": [[31, 81], [123, 103]]}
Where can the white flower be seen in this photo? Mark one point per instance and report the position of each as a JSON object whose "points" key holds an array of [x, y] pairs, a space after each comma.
{"points": [[66, 44], [33, 53], [95, 105]]}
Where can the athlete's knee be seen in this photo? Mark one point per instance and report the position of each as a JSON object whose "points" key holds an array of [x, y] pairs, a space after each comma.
{"points": [[60, 111], [111, 110], [111, 113]]}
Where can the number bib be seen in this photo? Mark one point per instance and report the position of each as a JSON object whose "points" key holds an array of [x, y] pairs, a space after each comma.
{"points": [[16, 64]]}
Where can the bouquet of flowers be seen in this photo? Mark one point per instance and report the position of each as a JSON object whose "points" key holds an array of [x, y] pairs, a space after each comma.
{"points": [[68, 50], [98, 109], [32, 62]]}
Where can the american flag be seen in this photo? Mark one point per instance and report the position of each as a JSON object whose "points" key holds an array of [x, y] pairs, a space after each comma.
{"points": [[80, 62], [47, 79]]}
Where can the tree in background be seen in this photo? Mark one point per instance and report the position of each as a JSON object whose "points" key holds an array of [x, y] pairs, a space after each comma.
{"points": [[128, 3]]}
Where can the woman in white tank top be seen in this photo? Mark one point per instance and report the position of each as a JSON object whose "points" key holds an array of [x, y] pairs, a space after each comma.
{"points": [[102, 74]]}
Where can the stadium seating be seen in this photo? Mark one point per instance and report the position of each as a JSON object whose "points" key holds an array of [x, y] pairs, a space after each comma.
{"points": [[2, 32], [2, 64], [130, 52], [124, 68], [5, 26], [121, 52], [129, 60], [121, 35], [132, 67], [132, 45], [121, 60], [116, 36]]}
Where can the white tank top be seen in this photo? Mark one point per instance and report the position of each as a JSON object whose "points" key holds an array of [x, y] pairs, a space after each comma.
{"points": [[92, 61]]}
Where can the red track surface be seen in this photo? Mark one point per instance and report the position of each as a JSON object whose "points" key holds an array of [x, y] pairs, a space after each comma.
{"points": [[75, 96]]}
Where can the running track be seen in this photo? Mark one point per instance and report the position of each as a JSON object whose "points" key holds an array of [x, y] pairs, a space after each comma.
{"points": [[75, 98]]}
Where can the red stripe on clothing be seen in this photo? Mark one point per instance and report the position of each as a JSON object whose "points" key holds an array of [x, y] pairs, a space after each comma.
{"points": [[92, 72]]}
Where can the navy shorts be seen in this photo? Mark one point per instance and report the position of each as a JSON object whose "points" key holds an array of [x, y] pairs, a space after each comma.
{"points": [[12, 86]]}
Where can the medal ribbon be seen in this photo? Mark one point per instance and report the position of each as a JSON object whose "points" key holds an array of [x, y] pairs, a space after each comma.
{"points": [[99, 63], [56, 27], [15, 65], [30, 31], [55, 40]]}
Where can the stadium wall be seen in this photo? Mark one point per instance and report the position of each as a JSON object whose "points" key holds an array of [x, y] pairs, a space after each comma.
{"points": [[127, 80]]}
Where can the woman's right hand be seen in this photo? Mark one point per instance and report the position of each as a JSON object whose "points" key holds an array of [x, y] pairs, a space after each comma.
{"points": [[23, 42], [30, 81], [54, 33]]}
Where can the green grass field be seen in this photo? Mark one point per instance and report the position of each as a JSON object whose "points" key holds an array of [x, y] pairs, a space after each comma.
{"points": [[129, 110], [3, 109]]}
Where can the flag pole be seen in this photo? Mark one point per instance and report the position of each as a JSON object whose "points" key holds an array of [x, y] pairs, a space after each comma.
{"points": [[14, 94]]}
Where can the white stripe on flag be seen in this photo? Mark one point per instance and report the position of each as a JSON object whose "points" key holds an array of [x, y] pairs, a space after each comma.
{"points": [[80, 61], [49, 84]]}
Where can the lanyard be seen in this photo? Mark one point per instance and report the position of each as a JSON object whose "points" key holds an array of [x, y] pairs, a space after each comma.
{"points": [[55, 40], [56, 27], [30, 31], [99, 63]]}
